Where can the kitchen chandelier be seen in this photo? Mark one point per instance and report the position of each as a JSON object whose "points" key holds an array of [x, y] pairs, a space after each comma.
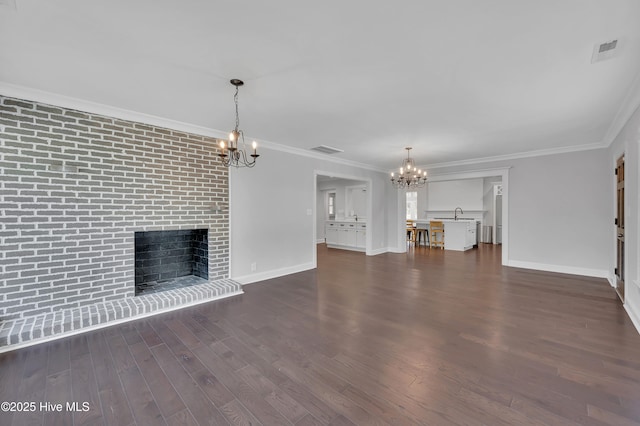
{"points": [[231, 153], [410, 176]]}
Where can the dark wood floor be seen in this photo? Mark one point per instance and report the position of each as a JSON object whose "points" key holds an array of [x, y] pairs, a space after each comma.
{"points": [[429, 337]]}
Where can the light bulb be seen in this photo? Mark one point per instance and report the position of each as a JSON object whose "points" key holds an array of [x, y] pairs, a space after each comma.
{"points": [[254, 145], [222, 144], [231, 136]]}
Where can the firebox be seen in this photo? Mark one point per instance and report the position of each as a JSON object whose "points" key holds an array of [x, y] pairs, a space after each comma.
{"points": [[165, 260]]}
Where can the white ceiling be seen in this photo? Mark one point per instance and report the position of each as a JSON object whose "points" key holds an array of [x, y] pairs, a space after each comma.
{"points": [[457, 80]]}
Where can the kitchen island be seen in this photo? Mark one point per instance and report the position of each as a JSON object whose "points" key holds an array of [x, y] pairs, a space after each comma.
{"points": [[459, 235]]}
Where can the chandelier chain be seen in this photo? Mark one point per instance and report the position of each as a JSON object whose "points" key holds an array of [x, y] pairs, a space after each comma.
{"points": [[235, 99]]}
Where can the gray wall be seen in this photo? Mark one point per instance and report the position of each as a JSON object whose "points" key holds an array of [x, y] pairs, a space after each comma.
{"points": [[273, 215], [76, 186], [559, 211]]}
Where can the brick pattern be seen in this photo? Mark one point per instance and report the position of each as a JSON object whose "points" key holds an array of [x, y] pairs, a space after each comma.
{"points": [[164, 255], [75, 186], [37, 327]]}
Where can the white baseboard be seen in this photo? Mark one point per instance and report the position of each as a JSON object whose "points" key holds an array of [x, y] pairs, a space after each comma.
{"points": [[274, 273], [396, 250], [588, 272], [377, 251], [320, 241], [635, 317]]}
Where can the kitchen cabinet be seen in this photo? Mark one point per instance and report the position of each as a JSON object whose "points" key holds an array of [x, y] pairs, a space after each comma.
{"points": [[471, 236], [331, 234], [347, 235], [361, 236], [459, 235]]}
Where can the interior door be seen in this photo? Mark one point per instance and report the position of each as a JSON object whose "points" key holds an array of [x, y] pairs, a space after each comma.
{"points": [[619, 221]]}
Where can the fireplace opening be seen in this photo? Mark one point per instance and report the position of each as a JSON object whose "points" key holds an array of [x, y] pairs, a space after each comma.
{"points": [[166, 260]]}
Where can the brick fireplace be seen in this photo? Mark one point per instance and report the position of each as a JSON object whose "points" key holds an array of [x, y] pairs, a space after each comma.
{"points": [[170, 259], [75, 187]]}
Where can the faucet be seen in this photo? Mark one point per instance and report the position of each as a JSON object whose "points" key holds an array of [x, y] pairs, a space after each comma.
{"points": [[455, 213]]}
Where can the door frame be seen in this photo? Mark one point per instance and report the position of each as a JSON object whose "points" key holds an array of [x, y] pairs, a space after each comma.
{"points": [[621, 276], [367, 182], [503, 172]]}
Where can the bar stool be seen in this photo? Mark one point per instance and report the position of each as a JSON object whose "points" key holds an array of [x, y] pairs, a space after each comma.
{"points": [[411, 231], [436, 228]]}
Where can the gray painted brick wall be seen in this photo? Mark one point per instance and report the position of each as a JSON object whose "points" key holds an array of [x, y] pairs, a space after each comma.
{"points": [[75, 186]]}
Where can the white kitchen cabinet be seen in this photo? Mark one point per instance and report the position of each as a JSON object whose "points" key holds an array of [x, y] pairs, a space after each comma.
{"points": [[361, 236], [348, 235], [331, 234], [459, 235], [471, 236]]}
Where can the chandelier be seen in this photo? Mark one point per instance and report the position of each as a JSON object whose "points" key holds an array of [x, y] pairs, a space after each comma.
{"points": [[234, 153], [410, 176]]}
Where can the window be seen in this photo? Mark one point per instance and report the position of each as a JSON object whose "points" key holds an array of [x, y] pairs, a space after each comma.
{"points": [[412, 205], [331, 205]]}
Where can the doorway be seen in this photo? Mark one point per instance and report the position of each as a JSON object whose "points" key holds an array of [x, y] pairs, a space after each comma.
{"points": [[502, 173], [619, 222], [342, 203]]}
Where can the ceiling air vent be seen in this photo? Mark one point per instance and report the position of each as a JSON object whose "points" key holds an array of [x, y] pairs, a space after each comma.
{"points": [[604, 51], [327, 149]]}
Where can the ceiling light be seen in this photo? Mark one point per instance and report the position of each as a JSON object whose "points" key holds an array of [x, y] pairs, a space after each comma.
{"points": [[410, 176], [231, 153]]}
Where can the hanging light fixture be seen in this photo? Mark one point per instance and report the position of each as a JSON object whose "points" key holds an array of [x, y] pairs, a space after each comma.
{"points": [[233, 153], [410, 176]]}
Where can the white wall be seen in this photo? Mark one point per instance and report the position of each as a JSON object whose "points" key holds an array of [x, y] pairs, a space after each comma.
{"points": [[447, 195], [356, 202], [341, 187], [487, 199], [423, 202], [268, 212], [627, 142]]}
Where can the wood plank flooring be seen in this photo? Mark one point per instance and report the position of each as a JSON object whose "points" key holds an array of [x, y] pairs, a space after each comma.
{"points": [[430, 337]]}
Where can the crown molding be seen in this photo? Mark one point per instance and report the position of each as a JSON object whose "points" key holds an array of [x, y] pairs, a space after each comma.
{"points": [[28, 93], [629, 106], [37, 95], [22, 92], [469, 174], [306, 153], [526, 154]]}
